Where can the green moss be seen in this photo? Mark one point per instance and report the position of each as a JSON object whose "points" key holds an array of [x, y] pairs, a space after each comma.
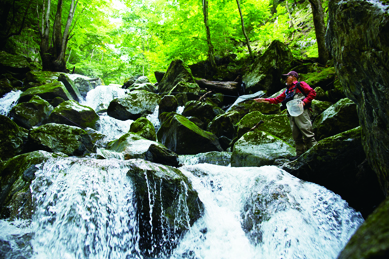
{"points": [[47, 92]]}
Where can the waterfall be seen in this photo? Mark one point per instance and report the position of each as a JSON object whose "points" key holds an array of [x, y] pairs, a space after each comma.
{"points": [[8, 101], [85, 208]]}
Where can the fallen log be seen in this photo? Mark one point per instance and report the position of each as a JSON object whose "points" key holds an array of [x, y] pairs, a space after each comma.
{"points": [[227, 87]]}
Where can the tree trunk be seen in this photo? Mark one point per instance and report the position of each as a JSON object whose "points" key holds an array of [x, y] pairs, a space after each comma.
{"points": [[243, 29], [211, 56], [320, 29]]}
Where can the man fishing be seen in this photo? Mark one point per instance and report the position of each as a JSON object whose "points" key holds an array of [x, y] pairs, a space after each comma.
{"points": [[301, 125]]}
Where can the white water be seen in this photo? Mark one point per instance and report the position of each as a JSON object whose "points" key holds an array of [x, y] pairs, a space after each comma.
{"points": [[102, 95], [8, 101]]}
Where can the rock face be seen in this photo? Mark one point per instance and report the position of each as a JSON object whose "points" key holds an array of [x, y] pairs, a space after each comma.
{"points": [[47, 92], [15, 177], [358, 41], [371, 240], [184, 92], [258, 148], [72, 141], [266, 72], [182, 136], [337, 118], [144, 128], [174, 204], [70, 86], [12, 138], [338, 163], [16, 64], [32, 113], [74, 114], [205, 111], [83, 86], [134, 105], [38, 78], [177, 72]]}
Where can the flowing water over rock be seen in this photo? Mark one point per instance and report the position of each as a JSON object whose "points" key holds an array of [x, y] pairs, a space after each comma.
{"points": [[8, 101], [86, 208]]}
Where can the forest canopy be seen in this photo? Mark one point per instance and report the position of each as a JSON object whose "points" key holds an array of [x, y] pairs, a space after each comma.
{"points": [[115, 39]]}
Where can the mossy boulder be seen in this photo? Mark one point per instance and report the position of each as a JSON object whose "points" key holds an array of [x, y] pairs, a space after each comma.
{"points": [[161, 155], [133, 106], [250, 106], [324, 79], [57, 101], [337, 118], [159, 75], [258, 148], [70, 86], [18, 65], [15, 176], [267, 71], [37, 78], [318, 107], [129, 82], [360, 51], [52, 137], [47, 92], [74, 114], [185, 91], [371, 240], [175, 206], [168, 104], [12, 138], [5, 86], [144, 128], [182, 136], [224, 124], [276, 124], [83, 86], [338, 163], [205, 111], [177, 72], [31, 113]]}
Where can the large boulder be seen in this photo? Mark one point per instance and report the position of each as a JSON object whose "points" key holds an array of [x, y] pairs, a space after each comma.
{"points": [[168, 104], [12, 138], [224, 124], [338, 163], [182, 136], [167, 206], [357, 39], [131, 146], [205, 111], [337, 118], [47, 92], [130, 81], [84, 86], [70, 86], [133, 106], [276, 124], [15, 176], [177, 72], [267, 71], [258, 148], [31, 113], [37, 78], [144, 128], [70, 140], [74, 114], [371, 240], [324, 78], [18, 65], [184, 91], [5, 86]]}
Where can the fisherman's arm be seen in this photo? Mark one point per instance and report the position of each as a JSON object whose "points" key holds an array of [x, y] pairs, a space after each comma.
{"points": [[311, 93], [275, 100]]}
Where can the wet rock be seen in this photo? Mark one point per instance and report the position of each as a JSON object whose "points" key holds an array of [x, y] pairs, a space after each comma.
{"points": [[258, 148], [267, 71], [167, 206], [83, 86], [47, 92], [70, 140], [337, 118], [134, 105], [185, 92], [37, 78], [70, 86], [318, 107], [31, 113], [224, 124], [144, 128], [57, 101], [213, 157], [130, 82], [184, 137], [5, 86], [324, 78], [16, 175], [159, 75], [161, 155], [177, 72], [205, 111], [371, 240], [357, 39], [74, 114], [338, 163], [15, 64], [168, 104], [12, 138], [276, 124]]}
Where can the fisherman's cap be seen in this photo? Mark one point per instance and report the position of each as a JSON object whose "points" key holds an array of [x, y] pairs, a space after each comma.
{"points": [[292, 73]]}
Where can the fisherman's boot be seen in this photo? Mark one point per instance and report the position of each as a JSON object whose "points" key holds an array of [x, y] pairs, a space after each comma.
{"points": [[310, 142], [300, 149]]}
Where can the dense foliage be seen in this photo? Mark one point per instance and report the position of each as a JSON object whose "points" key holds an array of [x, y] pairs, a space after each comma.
{"points": [[114, 40]]}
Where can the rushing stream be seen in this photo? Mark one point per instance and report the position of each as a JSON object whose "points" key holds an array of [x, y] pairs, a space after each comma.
{"points": [[86, 209]]}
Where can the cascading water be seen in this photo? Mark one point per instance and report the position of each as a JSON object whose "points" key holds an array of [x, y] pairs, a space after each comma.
{"points": [[8, 101], [85, 208]]}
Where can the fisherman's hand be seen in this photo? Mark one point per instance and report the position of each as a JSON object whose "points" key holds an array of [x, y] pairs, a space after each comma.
{"points": [[261, 100]]}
